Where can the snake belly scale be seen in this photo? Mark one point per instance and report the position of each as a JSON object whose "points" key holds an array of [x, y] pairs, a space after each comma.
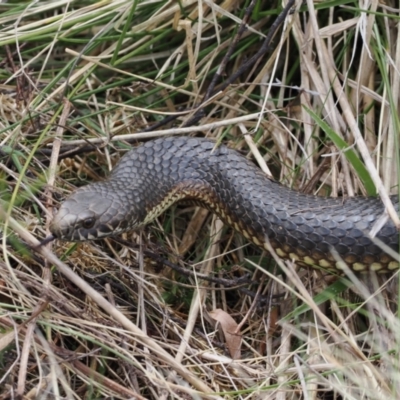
{"points": [[309, 229]]}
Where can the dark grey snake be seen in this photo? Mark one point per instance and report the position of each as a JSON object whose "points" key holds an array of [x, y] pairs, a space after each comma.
{"points": [[309, 229]]}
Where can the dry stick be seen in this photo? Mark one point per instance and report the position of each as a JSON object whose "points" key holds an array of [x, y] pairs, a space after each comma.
{"points": [[56, 144], [37, 390], [305, 92], [362, 147], [85, 371], [23, 365], [250, 87], [228, 284], [325, 92], [68, 358], [142, 317], [265, 47], [19, 78], [255, 151], [251, 308], [366, 61], [248, 64], [52, 171], [390, 160], [112, 311], [165, 132], [56, 372], [228, 54], [32, 325], [199, 294]]}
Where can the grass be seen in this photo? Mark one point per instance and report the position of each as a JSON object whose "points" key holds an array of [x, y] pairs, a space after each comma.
{"points": [[80, 83]]}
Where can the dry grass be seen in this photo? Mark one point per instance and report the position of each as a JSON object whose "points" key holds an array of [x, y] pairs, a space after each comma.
{"points": [[82, 81]]}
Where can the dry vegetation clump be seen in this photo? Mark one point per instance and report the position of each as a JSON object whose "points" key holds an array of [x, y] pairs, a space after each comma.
{"points": [[132, 317]]}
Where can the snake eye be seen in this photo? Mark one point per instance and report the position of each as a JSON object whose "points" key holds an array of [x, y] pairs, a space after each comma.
{"points": [[88, 223]]}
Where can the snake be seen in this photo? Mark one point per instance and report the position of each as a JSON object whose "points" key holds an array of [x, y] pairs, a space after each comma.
{"points": [[330, 233]]}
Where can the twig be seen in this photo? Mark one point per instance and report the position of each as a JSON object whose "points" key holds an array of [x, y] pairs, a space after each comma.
{"points": [[232, 284], [231, 48], [265, 47], [103, 303]]}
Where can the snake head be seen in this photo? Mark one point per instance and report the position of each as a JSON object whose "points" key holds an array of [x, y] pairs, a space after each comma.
{"points": [[88, 214]]}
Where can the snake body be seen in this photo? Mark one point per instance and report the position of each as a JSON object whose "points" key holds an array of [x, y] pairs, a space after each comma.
{"points": [[317, 231]]}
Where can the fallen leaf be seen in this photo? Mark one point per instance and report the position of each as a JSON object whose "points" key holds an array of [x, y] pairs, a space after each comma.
{"points": [[228, 324]]}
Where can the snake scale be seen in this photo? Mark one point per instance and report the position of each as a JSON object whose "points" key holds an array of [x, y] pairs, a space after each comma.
{"points": [[311, 230]]}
